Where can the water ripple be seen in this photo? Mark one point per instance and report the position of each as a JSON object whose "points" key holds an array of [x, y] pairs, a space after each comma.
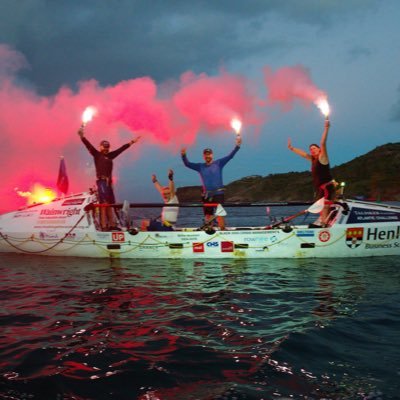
{"points": [[179, 329]]}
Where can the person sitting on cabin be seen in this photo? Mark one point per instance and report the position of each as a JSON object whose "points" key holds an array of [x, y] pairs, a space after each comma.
{"points": [[169, 214], [325, 186], [103, 161], [211, 176]]}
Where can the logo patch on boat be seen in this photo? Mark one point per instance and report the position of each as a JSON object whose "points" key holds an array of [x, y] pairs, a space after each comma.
{"points": [[227, 247], [73, 202], [354, 237], [324, 236], [118, 236], [198, 247], [307, 233], [370, 216]]}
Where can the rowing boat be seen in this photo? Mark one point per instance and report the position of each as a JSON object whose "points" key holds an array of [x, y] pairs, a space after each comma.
{"points": [[68, 227]]}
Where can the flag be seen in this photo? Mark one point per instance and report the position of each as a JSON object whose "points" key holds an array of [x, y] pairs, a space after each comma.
{"points": [[62, 180]]}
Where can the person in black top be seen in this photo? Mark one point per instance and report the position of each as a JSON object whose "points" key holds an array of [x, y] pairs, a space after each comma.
{"points": [[324, 184], [103, 161]]}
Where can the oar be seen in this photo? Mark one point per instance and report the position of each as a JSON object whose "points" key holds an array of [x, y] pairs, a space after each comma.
{"points": [[219, 212], [315, 208]]}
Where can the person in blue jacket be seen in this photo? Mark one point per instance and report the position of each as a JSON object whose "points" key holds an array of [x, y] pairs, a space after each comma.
{"points": [[210, 173]]}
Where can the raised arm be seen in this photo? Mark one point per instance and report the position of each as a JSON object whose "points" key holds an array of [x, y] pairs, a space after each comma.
{"points": [[86, 142], [156, 184], [323, 157], [171, 182], [194, 166], [115, 153], [299, 152]]}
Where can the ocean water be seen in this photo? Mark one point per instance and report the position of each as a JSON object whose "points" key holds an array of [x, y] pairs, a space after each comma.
{"points": [[200, 330], [183, 329]]}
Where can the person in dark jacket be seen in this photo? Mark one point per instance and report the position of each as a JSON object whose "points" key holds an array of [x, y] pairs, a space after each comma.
{"points": [[103, 161], [324, 184]]}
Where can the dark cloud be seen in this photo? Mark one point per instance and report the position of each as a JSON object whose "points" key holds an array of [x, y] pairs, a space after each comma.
{"points": [[68, 41]]}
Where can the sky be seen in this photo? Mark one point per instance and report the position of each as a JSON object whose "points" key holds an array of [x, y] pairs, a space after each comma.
{"points": [[176, 72]]}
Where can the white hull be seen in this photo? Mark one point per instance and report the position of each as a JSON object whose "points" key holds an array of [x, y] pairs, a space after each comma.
{"points": [[63, 228]]}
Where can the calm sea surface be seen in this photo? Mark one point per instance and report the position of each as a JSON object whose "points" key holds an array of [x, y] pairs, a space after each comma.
{"points": [[184, 329]]}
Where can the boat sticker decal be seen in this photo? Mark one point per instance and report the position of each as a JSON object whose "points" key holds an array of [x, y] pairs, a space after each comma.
{"points": [[227, 247], [73, 202], [324, 236], [369, 216], [377, 234], [306, 233], [354, 237], [55, 213], [118, 236], [46, 235], [198, 247]]}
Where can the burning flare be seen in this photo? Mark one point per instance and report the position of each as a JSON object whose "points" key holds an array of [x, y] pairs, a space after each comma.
{"points": [[39, 194], [323, 105], [236, 125], [88, 114]]}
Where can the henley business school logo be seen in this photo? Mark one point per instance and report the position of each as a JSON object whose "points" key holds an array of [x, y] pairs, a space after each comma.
{"points": [[354, 237]]}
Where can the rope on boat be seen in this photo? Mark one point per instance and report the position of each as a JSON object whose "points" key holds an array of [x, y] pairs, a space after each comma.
{"points": [[5, 237]]}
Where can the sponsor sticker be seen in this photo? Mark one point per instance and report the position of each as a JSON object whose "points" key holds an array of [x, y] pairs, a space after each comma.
{"points": [[368, 216], [324, 236], [198, 247], [118, 236], [227, 247], [306, 233], [354, 237], [73, 202]]}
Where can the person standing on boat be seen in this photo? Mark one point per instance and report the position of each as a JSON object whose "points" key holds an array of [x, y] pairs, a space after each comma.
{"points": [[103, 161], [211, 177], [324, 184], [169, 214]]}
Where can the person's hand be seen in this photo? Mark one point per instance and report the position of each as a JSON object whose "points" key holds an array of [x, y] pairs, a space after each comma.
{"points": [[134, 140], [171, 175], [183, 151], [153, 178], [81, 132], [327, 123], [238, 140], [289, 144]]}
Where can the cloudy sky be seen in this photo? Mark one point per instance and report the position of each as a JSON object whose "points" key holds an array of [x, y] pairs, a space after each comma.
{"points": [[176, 72]]}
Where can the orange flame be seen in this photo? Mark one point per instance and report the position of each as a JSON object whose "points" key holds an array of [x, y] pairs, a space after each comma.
{"points": [[88, 114], [38, 194], [236, 125]]}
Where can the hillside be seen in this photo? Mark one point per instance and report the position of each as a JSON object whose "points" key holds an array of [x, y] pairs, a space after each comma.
{"points": [[375, 175]]}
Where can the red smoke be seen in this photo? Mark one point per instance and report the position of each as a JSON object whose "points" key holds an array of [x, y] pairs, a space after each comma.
{"points": [[289, 84], [36, 130]]}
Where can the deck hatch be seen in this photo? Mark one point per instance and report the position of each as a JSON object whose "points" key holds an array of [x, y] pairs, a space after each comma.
{"points": [[114, 247], [241, 245], [307, 245], [176, 245]]}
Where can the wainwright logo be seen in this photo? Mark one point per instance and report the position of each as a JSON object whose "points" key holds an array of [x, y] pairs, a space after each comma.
{"points": [[354, 237]]}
